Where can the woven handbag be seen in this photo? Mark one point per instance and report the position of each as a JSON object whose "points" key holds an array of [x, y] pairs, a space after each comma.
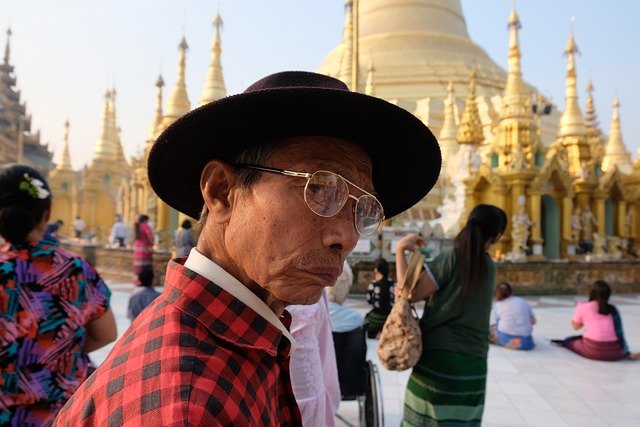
{"points": [[400, 342]]}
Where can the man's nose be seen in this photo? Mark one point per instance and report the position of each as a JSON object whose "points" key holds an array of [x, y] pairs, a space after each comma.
{"points": [[340, 232]]}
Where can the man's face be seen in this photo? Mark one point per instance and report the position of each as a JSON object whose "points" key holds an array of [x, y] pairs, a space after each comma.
{"points": [[277, 242]]}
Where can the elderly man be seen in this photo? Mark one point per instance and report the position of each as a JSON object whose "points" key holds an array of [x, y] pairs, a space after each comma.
{"points": [[214, 348]]}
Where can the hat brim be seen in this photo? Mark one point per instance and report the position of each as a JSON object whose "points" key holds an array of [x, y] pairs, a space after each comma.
{"points": [[405, 155]]}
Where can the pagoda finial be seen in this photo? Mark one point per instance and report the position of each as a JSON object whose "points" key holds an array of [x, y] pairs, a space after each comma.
{"points": [[470, 130], [616, 152], [516, 98], [571, 122], [157, 120], [179, 103], [7, 49], [65, 159], [214, 87], [346, 61], [591, 119]]}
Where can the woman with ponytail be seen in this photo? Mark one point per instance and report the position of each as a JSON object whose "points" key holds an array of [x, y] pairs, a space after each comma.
{"points": [[603, 337], [54, 307], [447, 385]]}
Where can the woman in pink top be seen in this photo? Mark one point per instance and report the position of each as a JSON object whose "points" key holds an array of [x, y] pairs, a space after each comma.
{"points": [[603, 337]]}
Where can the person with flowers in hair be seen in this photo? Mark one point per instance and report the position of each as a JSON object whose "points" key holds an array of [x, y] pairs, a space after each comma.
{"points": [[54, 307]]}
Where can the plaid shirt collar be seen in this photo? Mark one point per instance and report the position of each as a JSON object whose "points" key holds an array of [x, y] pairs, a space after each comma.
{"points": [[184, 276]]}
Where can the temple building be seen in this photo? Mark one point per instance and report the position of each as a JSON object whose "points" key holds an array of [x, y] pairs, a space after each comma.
{"points": [[110, 184], [18, 143], [566, 187], [569, 188]]}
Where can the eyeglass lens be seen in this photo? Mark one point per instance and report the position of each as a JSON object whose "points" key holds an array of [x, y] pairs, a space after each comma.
{"points": [[326, 193]]}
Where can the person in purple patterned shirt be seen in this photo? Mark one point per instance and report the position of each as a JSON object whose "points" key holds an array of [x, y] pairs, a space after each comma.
{"points": [[54, 307]]}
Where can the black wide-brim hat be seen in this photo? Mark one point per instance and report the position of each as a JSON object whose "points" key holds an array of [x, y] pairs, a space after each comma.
{"points": [[405, 155]]}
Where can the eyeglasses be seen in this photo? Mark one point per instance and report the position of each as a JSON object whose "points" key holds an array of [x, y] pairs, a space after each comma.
{"points": [[327, 192]]}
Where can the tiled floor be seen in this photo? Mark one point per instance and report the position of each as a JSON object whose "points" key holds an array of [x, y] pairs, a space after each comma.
{"points": [[548, 386]]}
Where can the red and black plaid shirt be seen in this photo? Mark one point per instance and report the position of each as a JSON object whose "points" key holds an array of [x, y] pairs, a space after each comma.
{"points": [[196, 356]]}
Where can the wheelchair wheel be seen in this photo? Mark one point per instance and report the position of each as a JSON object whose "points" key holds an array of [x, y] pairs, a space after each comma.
{"points": [[373, 409]]}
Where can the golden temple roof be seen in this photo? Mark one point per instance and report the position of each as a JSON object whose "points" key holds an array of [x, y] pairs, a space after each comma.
{"points": [[470, 130]]}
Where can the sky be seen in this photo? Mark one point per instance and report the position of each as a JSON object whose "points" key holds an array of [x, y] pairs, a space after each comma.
{"points": [[67, 53]]}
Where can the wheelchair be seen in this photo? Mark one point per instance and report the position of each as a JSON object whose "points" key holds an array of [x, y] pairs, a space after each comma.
{"points": [[358, 377]]}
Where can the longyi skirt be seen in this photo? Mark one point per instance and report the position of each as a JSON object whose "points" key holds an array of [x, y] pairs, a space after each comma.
{"points": [[609, 351], [446, 388]]}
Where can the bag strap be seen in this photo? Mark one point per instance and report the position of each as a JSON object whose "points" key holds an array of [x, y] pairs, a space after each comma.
{"points": [[414, 268]]}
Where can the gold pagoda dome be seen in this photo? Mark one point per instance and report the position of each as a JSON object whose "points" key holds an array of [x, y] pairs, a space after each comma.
{"points": [[416, 47]]}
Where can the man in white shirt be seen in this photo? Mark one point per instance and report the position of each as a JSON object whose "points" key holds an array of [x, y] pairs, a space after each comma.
{"points": [[78, 227], [119, 233]]}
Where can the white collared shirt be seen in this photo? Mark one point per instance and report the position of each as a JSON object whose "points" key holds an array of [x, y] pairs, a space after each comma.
{"points": [[212, 271]]}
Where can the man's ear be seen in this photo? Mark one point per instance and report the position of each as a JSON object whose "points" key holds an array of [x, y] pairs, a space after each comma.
{"points": [[216, 184]]}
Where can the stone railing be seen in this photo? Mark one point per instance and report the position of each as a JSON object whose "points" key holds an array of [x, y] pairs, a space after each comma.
{"points": [[527, 278], [542, 277], [116, 264]]}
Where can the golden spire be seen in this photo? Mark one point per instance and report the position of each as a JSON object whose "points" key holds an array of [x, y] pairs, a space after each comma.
{"points": [[103, 148], [368, 89], [346, 62], [7, 49], [214, 87], [64, 162], [593, 131], [157, 120], [516, 100], [179, 104], [470, 130], [111, 111], [571, 121], [447, 136], [616, 153], [114, 129], [108, 146]]}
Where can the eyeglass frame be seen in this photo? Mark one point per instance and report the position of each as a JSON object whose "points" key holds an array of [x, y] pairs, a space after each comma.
{"points": [[308, 177]]}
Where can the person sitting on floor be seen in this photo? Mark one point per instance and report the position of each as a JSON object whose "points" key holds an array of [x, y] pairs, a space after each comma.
{"points": [[512, 320], [144, 296], [603, 337]]}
